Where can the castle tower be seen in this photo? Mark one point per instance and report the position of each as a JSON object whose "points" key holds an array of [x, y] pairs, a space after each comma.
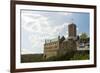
{"points": [[72, 31]]}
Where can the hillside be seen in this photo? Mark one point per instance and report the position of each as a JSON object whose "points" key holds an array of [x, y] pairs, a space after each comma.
{"points": [[31, 57], [39, 57]]}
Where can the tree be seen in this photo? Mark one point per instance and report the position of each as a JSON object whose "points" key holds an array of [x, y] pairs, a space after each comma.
{"points": [[83, 37]]}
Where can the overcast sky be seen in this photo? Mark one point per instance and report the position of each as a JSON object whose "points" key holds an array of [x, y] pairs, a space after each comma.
{"points": [[36, 26]]}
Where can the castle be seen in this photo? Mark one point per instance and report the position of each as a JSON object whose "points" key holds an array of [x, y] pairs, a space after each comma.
{"points": [[61, 45]]}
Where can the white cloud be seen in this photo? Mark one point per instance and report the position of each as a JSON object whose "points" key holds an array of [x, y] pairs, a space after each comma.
{"points": [[41, 29], [25, 51], [39, 24], [29, 51], [64, 13], [31, 22]]}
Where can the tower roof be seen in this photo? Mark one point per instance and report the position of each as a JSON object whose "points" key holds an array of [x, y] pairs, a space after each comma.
{"points": [[72, 24]]}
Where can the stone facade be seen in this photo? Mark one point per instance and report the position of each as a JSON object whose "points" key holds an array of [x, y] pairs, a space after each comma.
{"points": [[61, 45], [72, 30]]}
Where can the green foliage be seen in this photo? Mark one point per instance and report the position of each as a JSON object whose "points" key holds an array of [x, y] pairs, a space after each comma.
{"points": [[80, 57], [84, 37], [32, 58], [66, 57], [70, 56]]}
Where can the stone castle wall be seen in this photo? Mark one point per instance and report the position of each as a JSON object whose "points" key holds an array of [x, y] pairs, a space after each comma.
{"points": [[61, 46]]}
